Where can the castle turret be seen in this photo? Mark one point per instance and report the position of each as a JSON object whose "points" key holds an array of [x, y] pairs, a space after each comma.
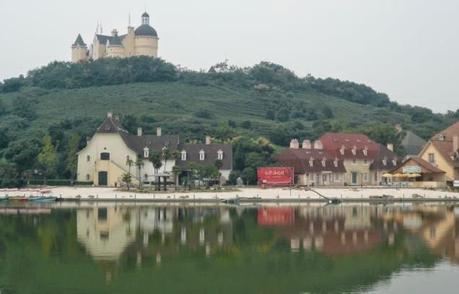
{"points": [[79, 50], [146, 38]]}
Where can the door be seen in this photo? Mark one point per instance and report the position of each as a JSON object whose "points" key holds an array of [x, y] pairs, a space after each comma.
{"points": [[103, 178], [354, 178]]}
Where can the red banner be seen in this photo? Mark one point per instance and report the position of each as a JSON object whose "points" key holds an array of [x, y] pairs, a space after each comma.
{"points": [[275, 176], [276, 216]]}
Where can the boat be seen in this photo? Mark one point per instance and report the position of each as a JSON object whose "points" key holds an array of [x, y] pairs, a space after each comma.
{"points": [[17, 198], [42, 199]]}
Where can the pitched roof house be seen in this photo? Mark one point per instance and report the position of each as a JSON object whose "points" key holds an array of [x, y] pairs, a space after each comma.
{"points": [[442, 151], [112, 152]]}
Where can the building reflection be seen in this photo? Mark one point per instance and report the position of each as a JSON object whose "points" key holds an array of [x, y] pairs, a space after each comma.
{"points": [[155, 233]]}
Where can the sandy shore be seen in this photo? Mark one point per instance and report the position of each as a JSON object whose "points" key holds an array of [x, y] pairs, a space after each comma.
{"points": [[97, 193]]}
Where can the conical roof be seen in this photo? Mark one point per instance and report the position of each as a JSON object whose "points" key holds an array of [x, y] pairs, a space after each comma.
{"points": [[79, 42]]}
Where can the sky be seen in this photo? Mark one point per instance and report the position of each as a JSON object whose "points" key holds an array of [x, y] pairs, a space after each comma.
{"points": [[408, 49]]}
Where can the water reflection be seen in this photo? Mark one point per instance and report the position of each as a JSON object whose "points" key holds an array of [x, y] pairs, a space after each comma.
{"points": [[259, 249]]}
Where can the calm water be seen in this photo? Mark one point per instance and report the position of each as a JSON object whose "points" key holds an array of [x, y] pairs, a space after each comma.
{"points": [[103, 248]]}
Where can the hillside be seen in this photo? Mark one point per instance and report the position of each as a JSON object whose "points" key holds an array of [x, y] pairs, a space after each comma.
{"points": [[266, 100]]}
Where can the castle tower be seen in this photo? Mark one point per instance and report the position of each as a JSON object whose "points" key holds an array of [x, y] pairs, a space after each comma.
{"points": [[79, 50], [146, 38], [114, 46]]}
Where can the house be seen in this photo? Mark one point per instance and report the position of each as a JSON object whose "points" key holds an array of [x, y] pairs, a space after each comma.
{"points": [[312, 165], [417, 172], [442, 151], [113, 152], [339, 159]]}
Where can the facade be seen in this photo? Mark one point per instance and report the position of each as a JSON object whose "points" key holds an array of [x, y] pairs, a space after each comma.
{"points": [[112, 152], [417, 172], [142, 41], [442, 151], [339, 159]]}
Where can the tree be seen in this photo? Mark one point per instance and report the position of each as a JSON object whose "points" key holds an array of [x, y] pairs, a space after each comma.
{"points": [[129, 163], [139, 164], [155, 159], [48, 156], [72, 150], [176, 171], [127, 179]]}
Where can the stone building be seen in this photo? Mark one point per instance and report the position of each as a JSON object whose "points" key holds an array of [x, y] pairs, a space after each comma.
{"points": [[140, 41], [339, 159], [112, 152]]}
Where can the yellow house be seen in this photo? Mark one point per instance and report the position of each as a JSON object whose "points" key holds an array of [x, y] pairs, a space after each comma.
{"points": [[442, 151]]}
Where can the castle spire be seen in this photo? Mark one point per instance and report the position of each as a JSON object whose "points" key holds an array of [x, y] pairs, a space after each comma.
{"points": [[79, 42], [145, 18]]}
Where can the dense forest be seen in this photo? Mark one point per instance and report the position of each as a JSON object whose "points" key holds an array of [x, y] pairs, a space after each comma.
{"points": [[46, 116]]}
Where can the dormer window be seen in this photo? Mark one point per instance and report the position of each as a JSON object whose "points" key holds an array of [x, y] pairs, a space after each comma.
{"points": [[324, 161], [342, 150], [220, 155], [183, 154], [394, 162], [202, 155], [335, 162], [365, 151], [354, 150], [146, 152], [311, 162], [384, 161]]}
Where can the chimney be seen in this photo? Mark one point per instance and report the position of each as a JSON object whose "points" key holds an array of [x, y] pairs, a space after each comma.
{"points": [[455, 143], [207, 140], [109, 114], [139, 132], [294, 144], [306, 144], [390, 146], [158, 132], [114, 32]]}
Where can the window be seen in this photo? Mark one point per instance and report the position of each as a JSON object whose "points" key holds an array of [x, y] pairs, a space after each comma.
{"points": [[183, 155], [88, 158], [202, 155], [324, 178], [337, 178], [431, 157], [105, 156], [146, 152], [311, 177], [365, 176], [220, 155], [128, 158], [354, 161], [394, 162], [88, 177]]}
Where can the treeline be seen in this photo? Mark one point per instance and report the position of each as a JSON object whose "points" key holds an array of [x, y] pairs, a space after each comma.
{"points": [[262, 77]]}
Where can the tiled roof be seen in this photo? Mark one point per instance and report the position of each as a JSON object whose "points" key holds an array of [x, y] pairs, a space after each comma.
{"points": [[445, 148], [448, 133], [412, 143], [385, 159], [79, 42], [300, 160], [333, 142], [210, 151], [110, 125], [154, 143], [426, 167]]}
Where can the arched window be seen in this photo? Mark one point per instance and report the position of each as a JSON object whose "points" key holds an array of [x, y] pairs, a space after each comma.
{"points": [[105, 156], [220, 155], [202, 155], [183, 155]]}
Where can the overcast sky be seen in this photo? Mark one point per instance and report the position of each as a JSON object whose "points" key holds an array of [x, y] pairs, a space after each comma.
{"points": [[408, 49]]}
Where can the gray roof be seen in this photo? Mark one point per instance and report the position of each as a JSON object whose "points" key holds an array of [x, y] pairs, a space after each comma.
{"points": [[412, 143], [113, 40], [211, 152], [146, 30], [111, 125], [79, 42], [385, 154], [155, 143]]}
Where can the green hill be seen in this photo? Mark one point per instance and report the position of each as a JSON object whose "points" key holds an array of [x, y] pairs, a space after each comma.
{"points": [[266, 100]]}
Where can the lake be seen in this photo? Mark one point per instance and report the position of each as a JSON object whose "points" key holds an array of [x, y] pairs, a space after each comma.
{"points": [[193, 248]]}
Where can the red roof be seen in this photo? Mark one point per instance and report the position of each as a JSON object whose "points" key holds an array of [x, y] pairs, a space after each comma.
{"points": [[448, 133], [333, 142], [300, 160]]}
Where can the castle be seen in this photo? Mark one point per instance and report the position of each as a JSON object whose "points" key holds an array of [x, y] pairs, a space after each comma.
{"points": [[140, 41]]}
